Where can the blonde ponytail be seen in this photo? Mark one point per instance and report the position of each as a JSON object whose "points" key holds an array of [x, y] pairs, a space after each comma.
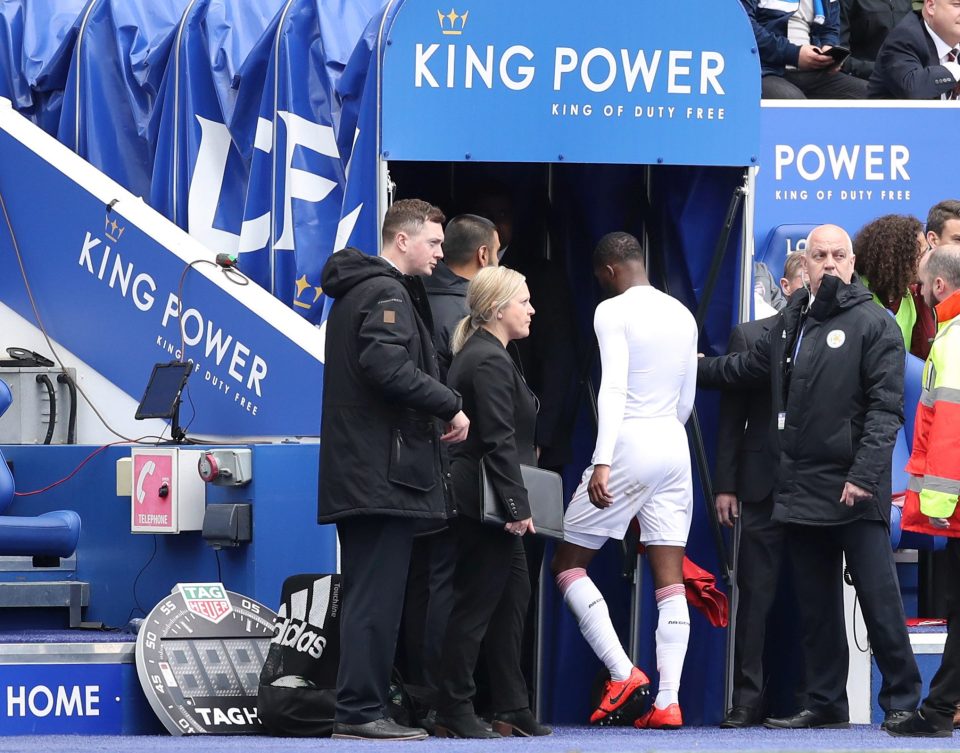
{"points": [[488, 293], [462, 333]]}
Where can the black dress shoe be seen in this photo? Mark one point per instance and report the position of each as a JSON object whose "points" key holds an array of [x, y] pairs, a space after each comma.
{"points": [[378, 729], [739, 717], [894, 715], [917, 725], [429, 721], [521, 723], [806, 720], [465, 726]]}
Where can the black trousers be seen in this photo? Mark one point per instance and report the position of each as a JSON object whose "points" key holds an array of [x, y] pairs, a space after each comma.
{"points": [[374, 557], [940, 705], [429, 601], [813, 85], [534, 547], [491, 595], [761, 554], [817, 553]]}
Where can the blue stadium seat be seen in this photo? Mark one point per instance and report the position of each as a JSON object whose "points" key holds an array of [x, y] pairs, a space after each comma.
{"points": [[52, 534], [900, 539], [912, 386], [901, 454], [773, 252]]}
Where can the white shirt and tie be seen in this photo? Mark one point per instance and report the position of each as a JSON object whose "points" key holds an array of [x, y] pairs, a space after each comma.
{"points": [[947, 56]]}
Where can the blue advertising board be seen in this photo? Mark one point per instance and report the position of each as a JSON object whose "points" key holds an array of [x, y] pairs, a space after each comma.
{"points": [[126, 289], [76, 699], [848, 163], [600, 82]]}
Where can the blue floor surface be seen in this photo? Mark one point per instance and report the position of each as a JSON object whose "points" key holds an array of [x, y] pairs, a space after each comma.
{"points": [[564, 739]]}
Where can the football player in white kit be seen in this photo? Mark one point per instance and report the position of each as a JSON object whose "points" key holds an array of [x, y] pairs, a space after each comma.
{"points": [[640, 469]]}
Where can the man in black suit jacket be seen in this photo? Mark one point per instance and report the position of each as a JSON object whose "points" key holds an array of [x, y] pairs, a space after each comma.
{"points": [[470, 243], [745, 474], [918, 59]]}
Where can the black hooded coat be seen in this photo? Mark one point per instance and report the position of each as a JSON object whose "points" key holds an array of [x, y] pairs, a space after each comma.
{"points": [[383, 405], [840, 393]]}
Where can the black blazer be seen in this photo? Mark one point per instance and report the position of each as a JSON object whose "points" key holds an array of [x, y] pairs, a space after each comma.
{"points": [[864, 26], [907, 65], [747, 460], [503, 420]]}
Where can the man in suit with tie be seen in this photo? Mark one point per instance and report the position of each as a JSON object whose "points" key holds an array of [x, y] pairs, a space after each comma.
{"points": [[918, 60], [745, 474]]}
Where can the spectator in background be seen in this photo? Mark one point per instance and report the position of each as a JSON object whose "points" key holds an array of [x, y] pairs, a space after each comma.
{"points": [[864, 25], [888, 251], [919, 58], [943, 223], [768, 296], [792, 38], [744, 479]]}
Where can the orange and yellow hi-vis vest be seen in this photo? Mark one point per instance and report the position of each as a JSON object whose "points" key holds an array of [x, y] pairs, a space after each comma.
{"points": [[934, 465]]}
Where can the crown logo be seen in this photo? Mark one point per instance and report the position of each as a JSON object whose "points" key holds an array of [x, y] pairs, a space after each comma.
{"points": [[449, 22], [112, 229], [304, 285]]}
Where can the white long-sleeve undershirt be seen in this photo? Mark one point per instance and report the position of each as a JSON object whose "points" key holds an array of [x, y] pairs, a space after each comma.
{"points": [[648, 354]]}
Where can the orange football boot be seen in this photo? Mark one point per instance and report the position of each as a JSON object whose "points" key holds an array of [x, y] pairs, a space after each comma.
{"points": [[617, 694], [668, 718]]}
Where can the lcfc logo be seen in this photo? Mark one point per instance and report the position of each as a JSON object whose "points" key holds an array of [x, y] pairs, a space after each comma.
{"points": [[451, 24]]}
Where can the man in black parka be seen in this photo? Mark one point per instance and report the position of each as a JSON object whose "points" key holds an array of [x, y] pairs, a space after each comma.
{"points": [[380, 464], [835, 360]]}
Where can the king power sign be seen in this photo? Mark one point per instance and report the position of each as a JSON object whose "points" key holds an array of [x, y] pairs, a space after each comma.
{"points": [[871, 161], [615, 82], [123, 289]]}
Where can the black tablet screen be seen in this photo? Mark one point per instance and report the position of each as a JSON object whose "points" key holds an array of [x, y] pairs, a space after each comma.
{"points": [[163, 389]]}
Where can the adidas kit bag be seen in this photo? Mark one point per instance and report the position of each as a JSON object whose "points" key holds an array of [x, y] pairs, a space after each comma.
{"points": [[298, 683]]}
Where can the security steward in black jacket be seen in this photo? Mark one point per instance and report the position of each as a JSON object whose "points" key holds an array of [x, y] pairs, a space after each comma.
{"points": [[380, 462], [834, 360]]}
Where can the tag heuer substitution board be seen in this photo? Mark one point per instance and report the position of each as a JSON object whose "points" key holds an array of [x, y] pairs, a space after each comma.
{"points": [[199, 654]]}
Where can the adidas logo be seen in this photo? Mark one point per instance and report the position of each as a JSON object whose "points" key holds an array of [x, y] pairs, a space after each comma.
{"points": [[299, 635], [301, 630]]}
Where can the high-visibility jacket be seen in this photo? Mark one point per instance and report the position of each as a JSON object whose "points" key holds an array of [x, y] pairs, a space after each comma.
{"points": [[935, 462]]}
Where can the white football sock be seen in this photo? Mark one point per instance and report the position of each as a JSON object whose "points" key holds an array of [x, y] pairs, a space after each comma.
{"points": [[588, 606], [673, 633]]}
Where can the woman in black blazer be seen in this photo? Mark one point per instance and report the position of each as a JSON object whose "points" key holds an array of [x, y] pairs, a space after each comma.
{"points": [[491, 587]]}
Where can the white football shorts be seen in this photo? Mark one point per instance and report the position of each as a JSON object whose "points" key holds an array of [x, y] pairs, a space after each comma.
{"points": [[650, 480]]}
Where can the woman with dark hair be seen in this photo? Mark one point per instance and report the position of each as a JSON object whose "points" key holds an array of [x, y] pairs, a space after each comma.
{"points": [[888, 252]]}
